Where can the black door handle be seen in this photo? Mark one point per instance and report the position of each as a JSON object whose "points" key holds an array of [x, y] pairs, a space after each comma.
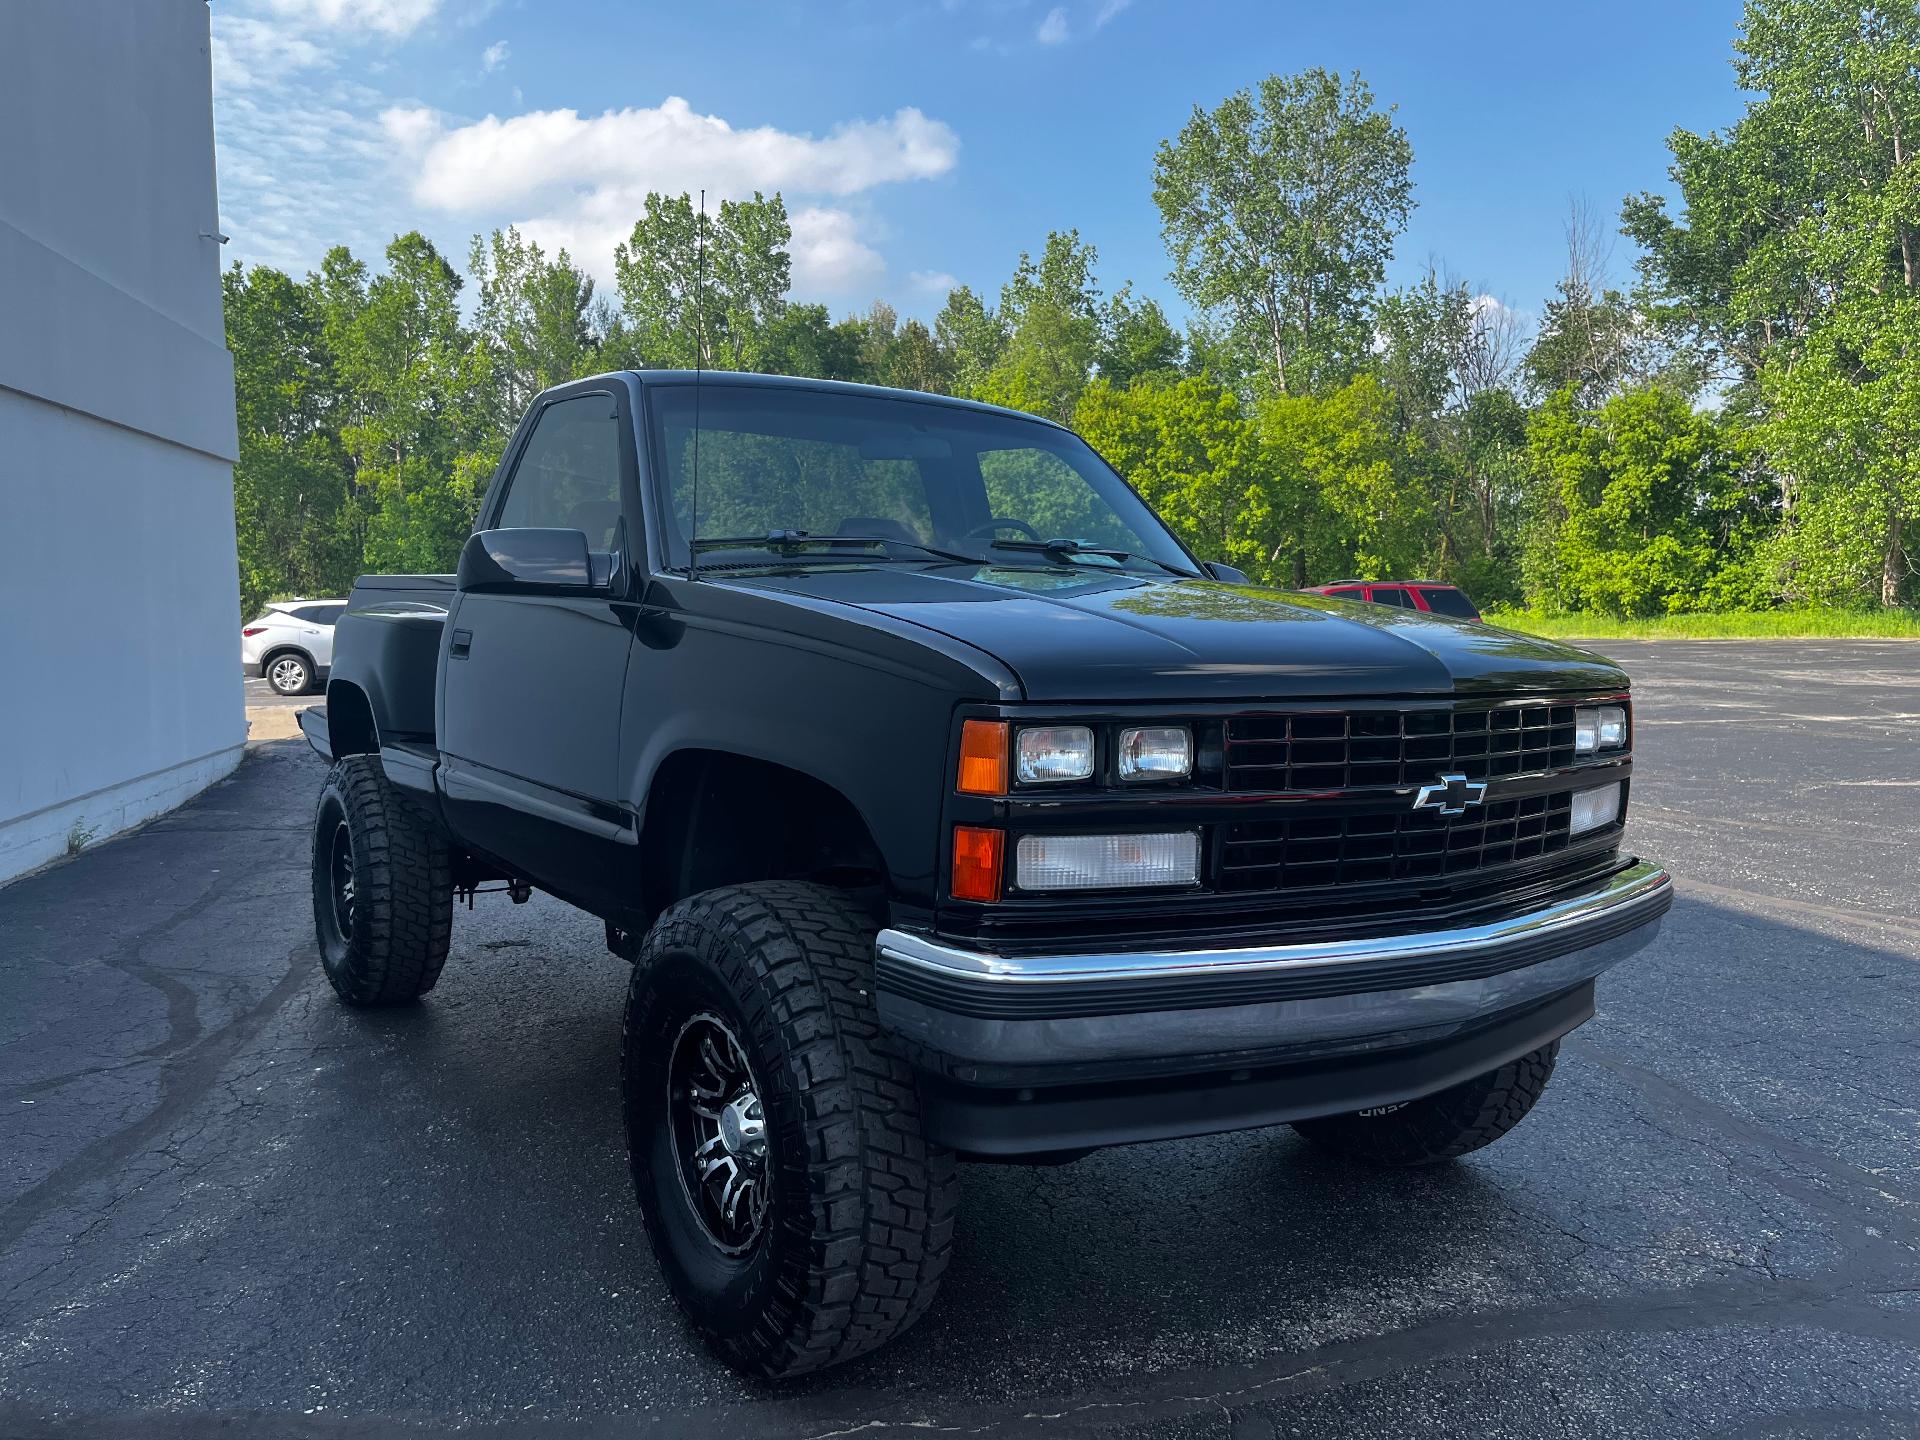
{"points": [[462, 642]]}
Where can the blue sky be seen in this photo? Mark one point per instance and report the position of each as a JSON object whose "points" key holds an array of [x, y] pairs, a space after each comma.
{"points": [[926, 140]]}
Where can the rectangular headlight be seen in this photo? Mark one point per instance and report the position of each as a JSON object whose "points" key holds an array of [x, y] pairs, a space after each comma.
{"points": [[1595, 808], [1047, 753], [1586, 731], [1106, 862], [1604, 728], [1159, 752]]}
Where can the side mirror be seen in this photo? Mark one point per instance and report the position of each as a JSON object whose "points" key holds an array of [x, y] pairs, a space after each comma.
{"points": [[1225, 572], [525, 559]]}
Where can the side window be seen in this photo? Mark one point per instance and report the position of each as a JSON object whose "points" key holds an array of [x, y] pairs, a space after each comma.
{"points": [[568, 477], [320, 614], [1391, 595]]}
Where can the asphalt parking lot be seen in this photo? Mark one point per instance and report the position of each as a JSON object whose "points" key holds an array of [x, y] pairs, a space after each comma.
{"points": [[225, 1198]]}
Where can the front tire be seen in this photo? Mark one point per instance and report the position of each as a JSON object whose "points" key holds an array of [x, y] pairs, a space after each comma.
{"points": [[1442, 1126], [382, 888], [289, 675], [790, 1195]]}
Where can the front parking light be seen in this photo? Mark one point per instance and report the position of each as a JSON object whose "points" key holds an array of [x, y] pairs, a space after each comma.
{"points": [[977, 852], [1106, 862], [1594, 808]]}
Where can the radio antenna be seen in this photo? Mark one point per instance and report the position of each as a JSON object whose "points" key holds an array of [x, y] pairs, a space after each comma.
{"points": [[699, 354]]}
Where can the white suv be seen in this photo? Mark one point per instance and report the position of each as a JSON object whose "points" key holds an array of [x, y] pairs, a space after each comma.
{"points": [[291, 644]]}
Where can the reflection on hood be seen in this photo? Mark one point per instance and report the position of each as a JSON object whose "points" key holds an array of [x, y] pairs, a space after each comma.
{"points": [[1074, 636]]}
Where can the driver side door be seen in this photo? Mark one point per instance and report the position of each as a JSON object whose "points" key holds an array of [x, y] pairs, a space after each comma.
{"points": [[533, 677]]}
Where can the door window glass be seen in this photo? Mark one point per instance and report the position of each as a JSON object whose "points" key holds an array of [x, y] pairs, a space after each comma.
{"points": [[568, 477]]}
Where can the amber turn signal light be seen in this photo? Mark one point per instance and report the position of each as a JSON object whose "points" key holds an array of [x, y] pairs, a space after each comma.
{"points": [[977, 856], [983, 758]]}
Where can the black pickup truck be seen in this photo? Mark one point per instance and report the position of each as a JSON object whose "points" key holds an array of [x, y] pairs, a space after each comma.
{"points": [[948, 808]]}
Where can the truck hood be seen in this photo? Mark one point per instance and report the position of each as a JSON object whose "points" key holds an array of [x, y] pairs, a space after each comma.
{"points": [[1079, 636]]}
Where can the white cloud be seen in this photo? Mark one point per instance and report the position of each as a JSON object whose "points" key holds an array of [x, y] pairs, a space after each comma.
{"points": [[303, 160], [581, 181], [385, 17], [1053, 29], [1108, 9], [249, 53], [933, 282], [829, 257], [548, 155], [312, 155]]}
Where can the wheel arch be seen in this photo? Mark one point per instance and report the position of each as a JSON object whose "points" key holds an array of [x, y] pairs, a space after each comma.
{"points": [[351, 728], [717, 817]]}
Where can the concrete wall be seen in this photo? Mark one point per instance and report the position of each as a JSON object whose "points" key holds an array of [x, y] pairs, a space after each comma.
{"points": [[119, 607]]}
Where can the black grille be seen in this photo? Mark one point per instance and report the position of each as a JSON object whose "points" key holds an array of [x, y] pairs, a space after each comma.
{"points": [[1298, 852], [1351, 750]]}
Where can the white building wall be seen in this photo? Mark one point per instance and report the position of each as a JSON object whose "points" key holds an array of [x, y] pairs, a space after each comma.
{"points": [[119, 607]]}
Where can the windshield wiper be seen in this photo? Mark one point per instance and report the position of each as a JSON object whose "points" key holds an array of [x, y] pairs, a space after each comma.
{"points": [[1066, 547], [790, 542]]}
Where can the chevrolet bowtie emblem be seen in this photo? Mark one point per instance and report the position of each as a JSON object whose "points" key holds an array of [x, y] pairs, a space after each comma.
{"points": [[1450, 795]]}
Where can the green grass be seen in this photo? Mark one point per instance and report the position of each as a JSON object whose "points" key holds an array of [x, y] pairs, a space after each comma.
{"points": [[1757, 625]]}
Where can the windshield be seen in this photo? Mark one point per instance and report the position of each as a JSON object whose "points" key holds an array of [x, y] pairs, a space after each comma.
{"points": [[973, 484]]}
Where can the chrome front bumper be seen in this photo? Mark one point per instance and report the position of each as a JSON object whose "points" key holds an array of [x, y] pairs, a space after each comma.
{"points": [[978, 1009]]}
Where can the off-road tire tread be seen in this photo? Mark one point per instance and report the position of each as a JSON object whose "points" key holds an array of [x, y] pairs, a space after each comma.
{"points": [[403, 876], [799, 959], [1443, 1126]]}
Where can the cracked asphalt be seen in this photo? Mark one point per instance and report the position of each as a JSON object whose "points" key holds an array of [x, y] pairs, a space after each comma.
{"points": [[229, 1205]]}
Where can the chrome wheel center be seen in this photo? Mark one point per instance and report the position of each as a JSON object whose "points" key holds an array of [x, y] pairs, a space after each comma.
{"points": [[743, 1130], [719, 1132]]}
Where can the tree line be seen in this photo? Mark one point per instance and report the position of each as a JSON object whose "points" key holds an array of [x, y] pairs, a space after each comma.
{"points": [[1737, 427]]}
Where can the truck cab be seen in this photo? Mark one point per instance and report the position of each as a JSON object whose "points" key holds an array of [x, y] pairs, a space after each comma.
{"points": [[948, 807]]}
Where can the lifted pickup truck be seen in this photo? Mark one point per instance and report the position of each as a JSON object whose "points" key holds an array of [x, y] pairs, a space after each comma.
{"points": [[948, 808]]}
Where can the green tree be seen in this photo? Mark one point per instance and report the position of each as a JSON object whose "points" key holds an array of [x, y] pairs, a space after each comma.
{"points": [[1051, 312], [1644, 506], [1339, 474], [1592, 339], [1186, 446], [1446, 356], [803, 340], [1136, 340], [535, 318], [1280, 209], [1843, 417], [297, 529], [918, 362], [673, 317], [1797, 261], [972, 335], [417, 427]]}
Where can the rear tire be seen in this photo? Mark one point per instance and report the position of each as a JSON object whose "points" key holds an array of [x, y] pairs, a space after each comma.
{"points": [[752, 1006], [289, 674], [1441, 1126], [382, 888]]}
